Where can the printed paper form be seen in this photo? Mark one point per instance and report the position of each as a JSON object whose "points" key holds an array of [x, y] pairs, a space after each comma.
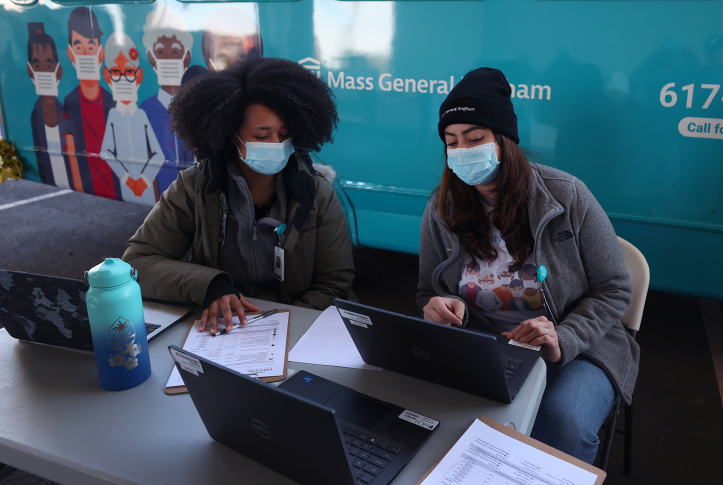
{"points": [[257, 348], [484, 455], [327, 342]]}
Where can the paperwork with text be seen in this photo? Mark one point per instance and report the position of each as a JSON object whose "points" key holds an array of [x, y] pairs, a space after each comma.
{"points": [[485, 455], [257, 348]]}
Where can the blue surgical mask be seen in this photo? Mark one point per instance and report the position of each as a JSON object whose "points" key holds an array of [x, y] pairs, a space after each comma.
{"points": [[266, 158], [474, 166]]}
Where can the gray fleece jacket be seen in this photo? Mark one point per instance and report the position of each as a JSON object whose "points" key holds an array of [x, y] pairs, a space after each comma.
{"points": [[588, 285]]}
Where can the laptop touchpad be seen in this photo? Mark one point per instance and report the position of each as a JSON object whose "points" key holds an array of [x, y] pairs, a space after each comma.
{"points": [[357, 408]]}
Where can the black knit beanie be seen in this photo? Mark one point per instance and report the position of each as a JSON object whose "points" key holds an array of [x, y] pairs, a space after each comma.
{"points": [[482, 97]]}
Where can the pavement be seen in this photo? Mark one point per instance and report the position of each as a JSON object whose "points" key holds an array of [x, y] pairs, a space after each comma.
{"points": [[678, 416]]}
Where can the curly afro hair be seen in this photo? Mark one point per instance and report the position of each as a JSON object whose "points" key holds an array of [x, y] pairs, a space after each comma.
{"points": [[208, 110]]}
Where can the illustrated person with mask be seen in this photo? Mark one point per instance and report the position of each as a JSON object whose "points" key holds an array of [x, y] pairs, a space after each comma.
{"points": [[230, 36], [168, 47], [253, 198], [130, 146], [45, 73], [468, 284], [86, 108], [503, 292], [517, 303], [531, 294], [486, 298], [489, 188]]}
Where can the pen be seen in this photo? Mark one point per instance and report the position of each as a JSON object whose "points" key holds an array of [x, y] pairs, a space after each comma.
{"points": [[256, 317]]}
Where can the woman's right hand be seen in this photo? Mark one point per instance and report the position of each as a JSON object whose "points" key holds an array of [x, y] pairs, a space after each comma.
{"points": [[223, 306], [447, 311]]}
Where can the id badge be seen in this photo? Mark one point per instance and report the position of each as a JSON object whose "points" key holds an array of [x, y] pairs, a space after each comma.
{"points": [[279, 263]]}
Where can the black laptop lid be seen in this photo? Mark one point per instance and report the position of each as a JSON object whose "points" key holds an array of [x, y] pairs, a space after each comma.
{"points": [[45, 309], [284, 432], [454, 357]]}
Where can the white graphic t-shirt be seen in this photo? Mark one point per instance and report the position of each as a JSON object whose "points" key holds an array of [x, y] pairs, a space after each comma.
{"points": [[506, 298]]}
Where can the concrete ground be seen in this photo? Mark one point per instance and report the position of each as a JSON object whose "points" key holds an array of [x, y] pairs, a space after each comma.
{"points": [[678, 414]]}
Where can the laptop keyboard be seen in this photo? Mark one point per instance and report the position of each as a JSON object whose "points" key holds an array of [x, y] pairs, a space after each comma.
{"points": [[511, 367], [369, 454], [150, 328]]}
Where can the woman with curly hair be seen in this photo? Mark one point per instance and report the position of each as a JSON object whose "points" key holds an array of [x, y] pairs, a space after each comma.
{"points": [[262, 220], [497, 210]]}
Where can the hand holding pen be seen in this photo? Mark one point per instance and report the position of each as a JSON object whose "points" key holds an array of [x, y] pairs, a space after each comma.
{"points": [[249, 320]]}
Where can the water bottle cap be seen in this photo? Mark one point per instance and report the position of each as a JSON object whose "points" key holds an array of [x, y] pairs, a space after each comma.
{"points": [[111, 272]]}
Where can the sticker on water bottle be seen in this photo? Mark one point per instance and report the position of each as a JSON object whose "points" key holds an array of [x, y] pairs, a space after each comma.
{"points": [[187, 363]]}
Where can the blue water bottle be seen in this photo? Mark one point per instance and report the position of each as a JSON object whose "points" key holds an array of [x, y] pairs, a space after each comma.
{"points": [[117, 324]]}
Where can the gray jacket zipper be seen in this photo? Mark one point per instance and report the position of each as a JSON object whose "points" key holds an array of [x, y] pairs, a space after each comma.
{"points": [[546, 292]]}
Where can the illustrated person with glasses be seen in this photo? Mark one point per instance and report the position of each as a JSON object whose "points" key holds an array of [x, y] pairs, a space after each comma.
{"points": [[486, 298], [495, 206], [86, 108], [129, 146]]}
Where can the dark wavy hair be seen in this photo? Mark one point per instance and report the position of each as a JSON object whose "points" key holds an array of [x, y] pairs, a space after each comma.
{"points": [[209, 109], [464, 213]]}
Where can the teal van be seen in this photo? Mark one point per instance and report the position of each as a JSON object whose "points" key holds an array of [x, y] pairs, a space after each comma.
{"points": [[624, 95]]}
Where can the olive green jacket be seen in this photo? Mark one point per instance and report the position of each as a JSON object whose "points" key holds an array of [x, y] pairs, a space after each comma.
{"points": [[318, 258]]}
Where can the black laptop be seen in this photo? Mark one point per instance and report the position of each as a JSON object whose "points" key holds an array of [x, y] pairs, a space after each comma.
{"points": [[475, 362], [310, 429], [50, 310]]}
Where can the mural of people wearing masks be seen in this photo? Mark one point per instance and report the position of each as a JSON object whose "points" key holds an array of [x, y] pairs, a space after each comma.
{"points": [[168, 47], [45, 73], [487, 299], [130, 146], [230, 35], [87, 107]]}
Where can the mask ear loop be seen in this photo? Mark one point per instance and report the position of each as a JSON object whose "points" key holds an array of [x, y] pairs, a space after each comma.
{"points": [[238, 149]]}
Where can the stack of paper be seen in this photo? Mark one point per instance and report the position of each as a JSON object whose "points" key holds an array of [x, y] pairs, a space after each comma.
{"points": [[257, 348], [485, 455], [327, 342]]}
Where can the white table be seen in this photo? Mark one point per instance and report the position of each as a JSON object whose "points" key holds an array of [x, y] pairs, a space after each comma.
{"points": [[58, 423]]}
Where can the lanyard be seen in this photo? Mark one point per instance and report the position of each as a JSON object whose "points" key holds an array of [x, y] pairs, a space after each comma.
{"points": [[279, 262]]}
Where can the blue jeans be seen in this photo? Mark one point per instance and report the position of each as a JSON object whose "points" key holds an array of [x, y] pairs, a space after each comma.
{"points": [[577, 398]]}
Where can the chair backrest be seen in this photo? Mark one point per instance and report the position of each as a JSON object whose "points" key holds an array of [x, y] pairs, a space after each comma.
{"points": [[640, 278]]}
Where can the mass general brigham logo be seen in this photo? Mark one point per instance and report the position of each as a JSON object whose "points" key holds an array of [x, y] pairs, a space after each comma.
{"points": [[364, 79]]}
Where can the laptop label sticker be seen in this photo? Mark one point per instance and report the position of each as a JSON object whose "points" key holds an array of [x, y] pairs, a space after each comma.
{"points": [[526, 346], [355, 316], [187, 363], [358, 324], [418, 419]]}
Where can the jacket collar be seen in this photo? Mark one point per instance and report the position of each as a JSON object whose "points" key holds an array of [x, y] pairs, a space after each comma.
{"points": [[297, 176], [542, 205]]}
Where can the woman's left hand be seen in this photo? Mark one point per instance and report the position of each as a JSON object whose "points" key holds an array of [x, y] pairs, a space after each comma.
{"points": [[538, 331]]}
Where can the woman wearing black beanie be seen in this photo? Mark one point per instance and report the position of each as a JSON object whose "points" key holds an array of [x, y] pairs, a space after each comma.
{"points": [[495, 219]]}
